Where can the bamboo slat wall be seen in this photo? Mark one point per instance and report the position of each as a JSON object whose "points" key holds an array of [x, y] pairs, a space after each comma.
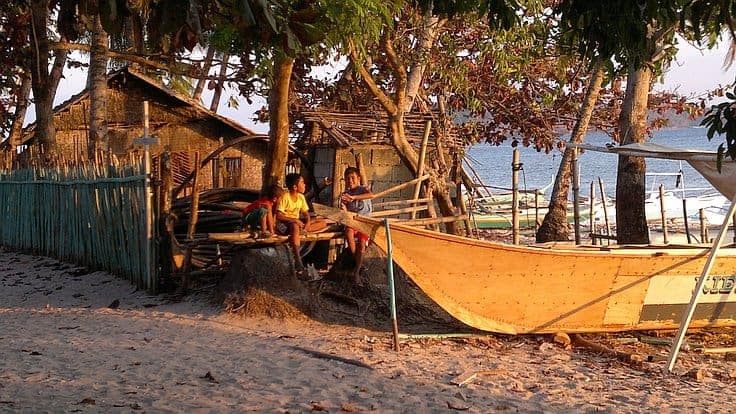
{"points": [[89, 215]]}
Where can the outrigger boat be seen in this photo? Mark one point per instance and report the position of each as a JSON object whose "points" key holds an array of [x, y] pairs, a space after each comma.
{"points": [[554, 288]]}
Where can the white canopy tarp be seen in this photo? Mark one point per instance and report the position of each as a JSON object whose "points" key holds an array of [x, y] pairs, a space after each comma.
{"points": [[703, 161]]}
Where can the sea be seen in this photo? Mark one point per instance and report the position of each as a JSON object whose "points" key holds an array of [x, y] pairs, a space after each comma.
{"points": [[493, 163]]}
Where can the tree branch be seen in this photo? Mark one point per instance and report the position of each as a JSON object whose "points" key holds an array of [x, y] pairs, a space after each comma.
{"points": [[399, 72], [384, 100], [188, 70]]}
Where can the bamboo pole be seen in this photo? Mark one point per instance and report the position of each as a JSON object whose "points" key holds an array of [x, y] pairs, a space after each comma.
{"points": [[703, 226], [591, 216], [401, 202], [576, 194], [515, 167], [699, 287], [605, 206], [663, 214], [420, 167], [361, 169], [148, 194], [463, 207], [684, 217], [399, 187], [194, 207], [536, 211], [391, 286]]}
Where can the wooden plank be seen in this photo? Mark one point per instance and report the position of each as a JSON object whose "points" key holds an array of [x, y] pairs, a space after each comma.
{"points": [[401, 202], [386, 213]]}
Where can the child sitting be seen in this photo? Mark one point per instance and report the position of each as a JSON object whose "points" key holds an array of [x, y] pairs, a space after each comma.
{"points": [[258, 215], [356, 199], [292, 218]]}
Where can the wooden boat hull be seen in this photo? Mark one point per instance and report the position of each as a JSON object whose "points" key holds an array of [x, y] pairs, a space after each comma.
{"points": [[515, 289]]}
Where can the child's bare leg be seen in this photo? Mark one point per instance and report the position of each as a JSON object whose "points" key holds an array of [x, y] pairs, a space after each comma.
{"points": [[350, 236], [295, 245], [264, 222], [270, 223], [359, 252]]}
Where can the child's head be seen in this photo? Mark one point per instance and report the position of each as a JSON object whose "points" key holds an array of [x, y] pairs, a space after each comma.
{"points": [[352, 177], [294, 181], [273, 192]]}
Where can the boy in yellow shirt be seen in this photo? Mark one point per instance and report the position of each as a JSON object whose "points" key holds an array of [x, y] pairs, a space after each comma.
{"points": [[292, 217]]}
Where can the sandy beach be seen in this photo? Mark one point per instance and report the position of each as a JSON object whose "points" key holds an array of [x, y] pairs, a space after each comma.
{"points": [[79, 341]]}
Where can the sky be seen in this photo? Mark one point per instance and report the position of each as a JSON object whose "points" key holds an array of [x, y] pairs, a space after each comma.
{"points": [[692, 73]]}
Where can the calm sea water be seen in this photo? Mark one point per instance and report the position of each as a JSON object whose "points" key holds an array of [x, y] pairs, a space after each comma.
{"points": [[493, 164]]}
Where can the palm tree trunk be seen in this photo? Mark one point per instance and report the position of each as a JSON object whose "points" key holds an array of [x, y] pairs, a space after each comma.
{"points": [[278, 108], [631, 223], [97, 84], [555, 226]]}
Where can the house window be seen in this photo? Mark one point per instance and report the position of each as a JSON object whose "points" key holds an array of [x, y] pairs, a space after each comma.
{"points": [[231, 173]]}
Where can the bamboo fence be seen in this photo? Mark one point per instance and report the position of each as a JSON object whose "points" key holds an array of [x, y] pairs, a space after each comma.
{"points": [[91, 215]]}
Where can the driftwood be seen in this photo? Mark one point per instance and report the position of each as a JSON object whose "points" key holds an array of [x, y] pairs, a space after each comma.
{"points": [[726, 350], [629, 358]]}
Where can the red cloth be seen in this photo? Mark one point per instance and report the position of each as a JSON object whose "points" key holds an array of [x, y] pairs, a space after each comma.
{"points": [[261, 202]]}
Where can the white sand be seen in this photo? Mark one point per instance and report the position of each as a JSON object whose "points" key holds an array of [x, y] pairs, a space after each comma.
{"points": [[63, 350]]}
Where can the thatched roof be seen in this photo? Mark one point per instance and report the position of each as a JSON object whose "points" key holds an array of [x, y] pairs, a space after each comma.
{"points": [[344, 129], [121, 75]]}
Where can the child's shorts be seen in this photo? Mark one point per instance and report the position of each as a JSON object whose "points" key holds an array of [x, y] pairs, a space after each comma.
{"points": [[253, 219], [283, 228], [362, 237]]}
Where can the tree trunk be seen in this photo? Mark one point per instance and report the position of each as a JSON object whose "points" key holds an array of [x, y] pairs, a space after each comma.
{"points": [[427, 36], [45, 132], [44, 83], [220, 83], [21, 105], [97, 84], [278, 108], [206, 65], [555, 225], [631, 222]]}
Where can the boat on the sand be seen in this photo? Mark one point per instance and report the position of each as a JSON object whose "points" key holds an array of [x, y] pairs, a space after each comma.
{"points": [[560, 288], [565, 288]]}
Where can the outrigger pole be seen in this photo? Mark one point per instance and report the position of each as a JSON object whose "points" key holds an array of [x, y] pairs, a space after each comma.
{"points": [[699, 288]]}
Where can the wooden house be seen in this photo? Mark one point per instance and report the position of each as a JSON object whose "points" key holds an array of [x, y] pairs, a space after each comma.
{"points": [[332, 141], [180, 124]]}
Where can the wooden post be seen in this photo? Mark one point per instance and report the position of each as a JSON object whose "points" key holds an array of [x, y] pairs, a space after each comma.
{"points": [[391, 287], [536, 211], [699, 288], [576, 194], [463, 207], [663, 214], [148, 203], [459, 182], [684, 216], [361, 168], [515, 167], [592, 210], [605, 207], [422, 156], [703, 226], [194, 206], [167, 181]]}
